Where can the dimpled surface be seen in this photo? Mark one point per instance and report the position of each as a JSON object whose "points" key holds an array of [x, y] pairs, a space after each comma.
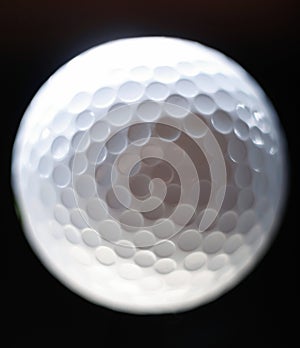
{"points": [[150, 174]]}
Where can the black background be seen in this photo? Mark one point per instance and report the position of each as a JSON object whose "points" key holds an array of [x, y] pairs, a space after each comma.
{"points": [[37, 37]]}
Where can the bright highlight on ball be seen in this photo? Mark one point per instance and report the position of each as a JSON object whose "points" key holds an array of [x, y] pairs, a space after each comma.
{"points": [[150, 174]]}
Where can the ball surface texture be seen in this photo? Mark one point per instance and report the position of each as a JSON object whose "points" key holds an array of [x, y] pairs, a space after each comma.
{"points": [[150, 174]]}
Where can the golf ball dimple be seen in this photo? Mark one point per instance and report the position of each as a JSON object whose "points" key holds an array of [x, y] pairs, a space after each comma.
{"points": [[150, 174]]}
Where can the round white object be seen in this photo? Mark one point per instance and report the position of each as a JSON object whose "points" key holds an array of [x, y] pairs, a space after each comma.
{"points": [[150, 174]]}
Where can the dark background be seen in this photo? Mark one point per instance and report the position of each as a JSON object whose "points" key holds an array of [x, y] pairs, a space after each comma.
{"points": [[37, 37]]}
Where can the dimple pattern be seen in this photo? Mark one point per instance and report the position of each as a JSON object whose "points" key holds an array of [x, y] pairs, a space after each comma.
{"points": [[151, 185]]}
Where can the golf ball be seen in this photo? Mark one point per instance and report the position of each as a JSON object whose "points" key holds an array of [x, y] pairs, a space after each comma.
{"points": [[149, 174]]}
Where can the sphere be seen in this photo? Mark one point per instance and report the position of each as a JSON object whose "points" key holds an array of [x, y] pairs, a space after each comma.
{"points": [[150, 174]]}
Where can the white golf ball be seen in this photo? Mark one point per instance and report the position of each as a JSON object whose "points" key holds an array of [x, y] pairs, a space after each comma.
{"points": [[150, 174]]}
